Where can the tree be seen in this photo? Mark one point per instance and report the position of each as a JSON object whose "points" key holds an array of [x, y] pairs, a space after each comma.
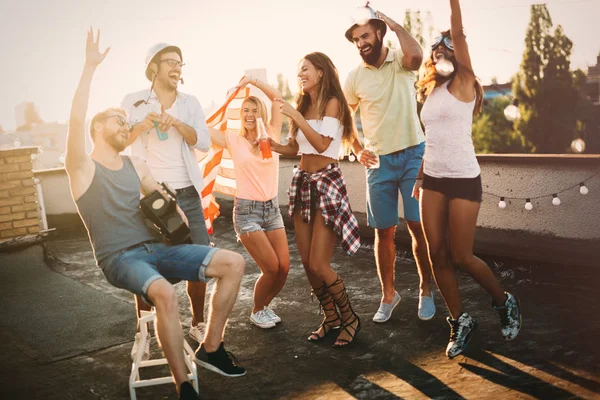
{"points": [[284, 88], [544, 86], [413, 23], [493, 133], [31, 118]]}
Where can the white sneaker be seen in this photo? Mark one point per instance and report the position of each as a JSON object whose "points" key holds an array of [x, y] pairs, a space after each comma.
{"points": [[274, 317], [136, 346], [197, 332], [262, 320], [384, 313]]}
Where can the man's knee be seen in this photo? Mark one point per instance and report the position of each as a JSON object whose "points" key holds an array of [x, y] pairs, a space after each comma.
{"points": [[385, 235], [163, 295]]}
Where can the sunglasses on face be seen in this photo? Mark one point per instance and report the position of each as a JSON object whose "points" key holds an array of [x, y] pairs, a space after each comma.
{"points": [[121, 121], [445, 40], [172, 63]]}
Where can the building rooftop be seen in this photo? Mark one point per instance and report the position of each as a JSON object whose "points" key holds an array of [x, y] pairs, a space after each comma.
{"points": [[66, 333]]}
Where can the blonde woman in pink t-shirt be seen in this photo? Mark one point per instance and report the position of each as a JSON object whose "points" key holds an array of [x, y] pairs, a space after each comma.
{"points": [[256, 217]]}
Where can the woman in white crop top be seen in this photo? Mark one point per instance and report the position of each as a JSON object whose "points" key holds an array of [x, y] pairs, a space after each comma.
{"points": [[256, 217], [449, 184], [319, 202]]}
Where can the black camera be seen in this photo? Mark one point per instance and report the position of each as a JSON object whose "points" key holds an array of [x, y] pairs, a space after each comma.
{"points": [[161, 215]]}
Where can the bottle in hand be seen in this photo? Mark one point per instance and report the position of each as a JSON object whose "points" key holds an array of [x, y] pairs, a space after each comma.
{"points": [[263, 139]]}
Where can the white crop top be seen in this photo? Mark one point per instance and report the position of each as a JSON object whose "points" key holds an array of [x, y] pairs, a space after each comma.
{"points": [[328, 127]]}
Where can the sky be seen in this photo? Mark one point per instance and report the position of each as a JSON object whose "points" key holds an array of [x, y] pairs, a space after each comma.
{"points": [[43, 42]]}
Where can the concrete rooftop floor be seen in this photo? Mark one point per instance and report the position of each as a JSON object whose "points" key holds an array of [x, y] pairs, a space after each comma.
{"points": [[66, 333]]}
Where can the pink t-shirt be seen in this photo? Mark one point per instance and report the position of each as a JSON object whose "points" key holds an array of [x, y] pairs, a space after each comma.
{"points": [[255, 178]]}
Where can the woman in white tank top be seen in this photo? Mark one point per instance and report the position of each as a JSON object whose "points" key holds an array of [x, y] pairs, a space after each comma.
{"points": [[449, 184]]}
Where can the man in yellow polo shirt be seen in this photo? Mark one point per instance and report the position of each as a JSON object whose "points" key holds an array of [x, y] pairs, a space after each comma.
{"points": [[383, 85]]}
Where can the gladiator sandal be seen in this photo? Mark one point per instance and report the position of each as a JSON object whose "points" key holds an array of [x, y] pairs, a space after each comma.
{"points": [[337, 290], [327, 307]]}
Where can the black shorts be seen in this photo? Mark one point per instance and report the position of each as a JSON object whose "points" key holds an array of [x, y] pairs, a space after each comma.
{"points": [[455, 188]]}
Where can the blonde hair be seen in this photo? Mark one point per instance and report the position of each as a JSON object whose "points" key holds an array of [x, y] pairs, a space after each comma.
{"points": [[262, 112], [102, 116]]}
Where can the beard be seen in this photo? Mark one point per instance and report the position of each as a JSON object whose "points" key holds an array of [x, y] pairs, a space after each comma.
{"points": [[115, 143], [375, 53]]}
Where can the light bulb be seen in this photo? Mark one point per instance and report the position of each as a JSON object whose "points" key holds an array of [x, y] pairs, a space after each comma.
{"points": [[555, 200], [444, 67], [578, 146], [502, 203], [17, 142], [512, 113], [528, 205], [61, 158], [583, 189], [33, 156], [351, 158]]}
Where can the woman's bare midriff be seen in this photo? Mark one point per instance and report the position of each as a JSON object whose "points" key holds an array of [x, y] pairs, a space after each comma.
{"points": [[314, 162]]}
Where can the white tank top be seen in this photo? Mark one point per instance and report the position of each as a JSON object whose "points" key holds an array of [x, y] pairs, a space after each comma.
{"points": [[449, 151]]}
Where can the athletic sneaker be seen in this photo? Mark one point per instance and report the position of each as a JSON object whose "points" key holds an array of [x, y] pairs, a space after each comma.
{"points": [[262, 320], [461, 331], [274, 317], [197, 332], [384, 313], [510, 317], [136, 346], [187, 392], [221, 361]]}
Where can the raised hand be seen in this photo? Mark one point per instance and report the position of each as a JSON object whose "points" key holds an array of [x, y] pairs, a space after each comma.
{"points": [[287, 109], [244, 82], [388, 21], [93, 57]]}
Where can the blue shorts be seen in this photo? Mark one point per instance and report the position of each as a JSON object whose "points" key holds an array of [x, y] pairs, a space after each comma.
{"points": [[189, 201], [136, 268], [254, 216], [397, 173]]}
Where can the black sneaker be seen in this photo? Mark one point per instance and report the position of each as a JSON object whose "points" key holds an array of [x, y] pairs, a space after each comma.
{"points": [[221, 361], [510, 317], [187, 392], [461, 331]]}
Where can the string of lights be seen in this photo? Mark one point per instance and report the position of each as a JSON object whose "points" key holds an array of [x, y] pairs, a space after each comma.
{"points": [[583, 190]]}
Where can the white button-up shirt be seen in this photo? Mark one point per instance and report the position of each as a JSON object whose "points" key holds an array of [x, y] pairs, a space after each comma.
{"points": [[188, 111]]}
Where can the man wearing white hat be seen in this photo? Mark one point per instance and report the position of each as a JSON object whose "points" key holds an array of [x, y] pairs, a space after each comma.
{"points": [[167, 126], [383, 86]]}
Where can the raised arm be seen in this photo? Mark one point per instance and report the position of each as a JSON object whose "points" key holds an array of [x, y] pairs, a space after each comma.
{"points": [[273, 95], [77, 161], [412, 52], [459, 40]]}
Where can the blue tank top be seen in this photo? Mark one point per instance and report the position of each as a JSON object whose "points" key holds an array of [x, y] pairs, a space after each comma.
{"points": [[110, 210]]}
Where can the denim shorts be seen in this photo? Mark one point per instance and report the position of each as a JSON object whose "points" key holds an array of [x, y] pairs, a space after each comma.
{"points": [[136, 268], [396, 175], [253, 216], [191, 204]]}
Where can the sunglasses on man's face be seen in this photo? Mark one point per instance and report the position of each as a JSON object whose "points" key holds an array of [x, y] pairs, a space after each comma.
{"points": [[445, 40], [172, 63], [120, 120]]}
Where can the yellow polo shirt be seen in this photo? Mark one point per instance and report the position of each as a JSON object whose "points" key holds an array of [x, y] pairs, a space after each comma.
{"points": [[388, 105]]}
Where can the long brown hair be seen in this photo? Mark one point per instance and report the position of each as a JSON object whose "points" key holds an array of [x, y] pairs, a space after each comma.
{"points": [[329, 87], [430, 79]]}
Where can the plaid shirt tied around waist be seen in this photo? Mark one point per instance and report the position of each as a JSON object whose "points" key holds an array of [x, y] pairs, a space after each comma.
{"points": [[332, 200]]}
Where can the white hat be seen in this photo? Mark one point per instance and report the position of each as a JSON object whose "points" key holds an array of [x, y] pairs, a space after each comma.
{"points": [[362, 15], [154, 50]]}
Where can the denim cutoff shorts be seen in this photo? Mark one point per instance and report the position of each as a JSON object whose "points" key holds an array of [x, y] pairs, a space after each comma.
{"points": [[254, 216], [135, 268]]}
